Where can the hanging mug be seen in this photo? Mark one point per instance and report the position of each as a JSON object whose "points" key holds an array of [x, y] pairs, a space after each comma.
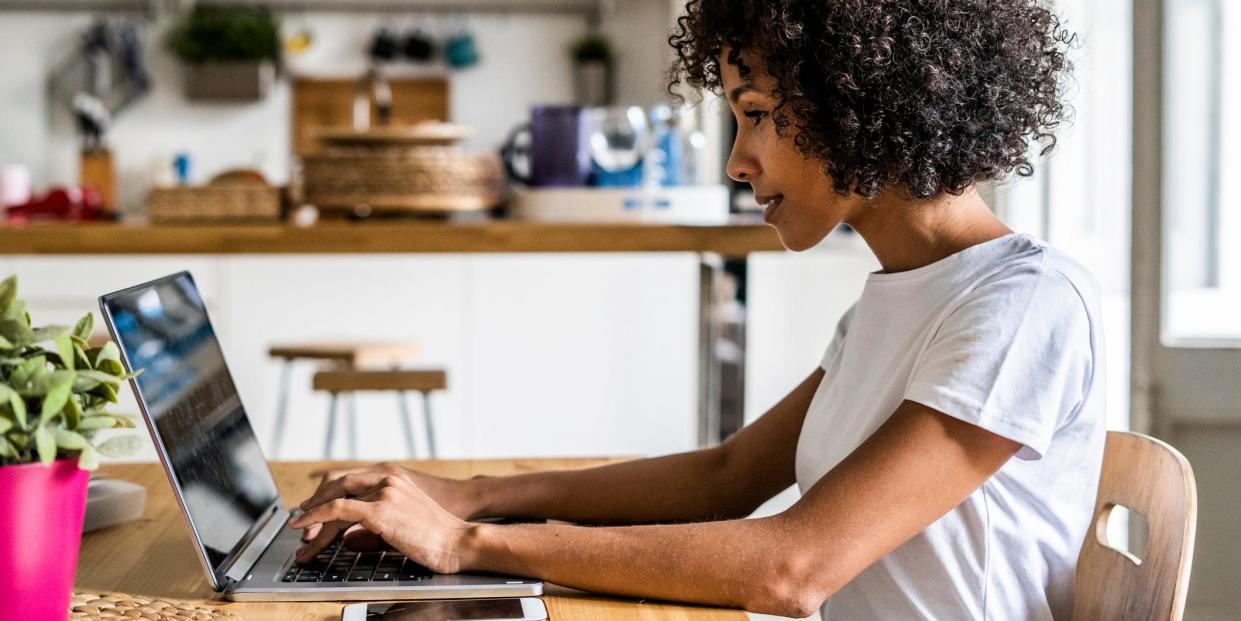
{"points": [[460, 50], [419, 47]]}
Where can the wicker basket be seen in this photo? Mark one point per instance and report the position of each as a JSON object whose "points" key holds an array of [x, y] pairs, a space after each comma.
{"points": [[401, 178], [213, 203]]}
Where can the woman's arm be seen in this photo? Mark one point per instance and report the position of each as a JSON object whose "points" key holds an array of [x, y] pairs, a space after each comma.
{"points": [[911, 471], [727, 481]]}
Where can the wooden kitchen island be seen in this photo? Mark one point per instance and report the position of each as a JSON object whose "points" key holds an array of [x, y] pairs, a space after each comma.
{"points": [[720, 248], [731, 240], [154, 557]]}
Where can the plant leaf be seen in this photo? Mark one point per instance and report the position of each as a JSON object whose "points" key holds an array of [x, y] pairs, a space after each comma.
{"points": [[6, 343], [113, 367], [26, 372], [79, 355], [88, 459], [5, 424], [108, 352], [106, 391], [120, 446], [85, 327], [59, 387], [69, 440], [7, 449], [45, 445], [101, 377], [73, 413], [8, 292], [64, 347], [95, 423], [48, 333], [18, 405]]}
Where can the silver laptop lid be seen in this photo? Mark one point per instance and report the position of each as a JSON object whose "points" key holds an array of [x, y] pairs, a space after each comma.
{"points": [[195, 415]]}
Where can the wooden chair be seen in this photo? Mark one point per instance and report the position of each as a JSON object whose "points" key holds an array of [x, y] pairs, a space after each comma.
{"points": [[400, 381], [1150, 477], [340, 354]]}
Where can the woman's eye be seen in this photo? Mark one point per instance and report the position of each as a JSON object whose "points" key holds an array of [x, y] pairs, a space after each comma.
{"points": [[757, 115]]}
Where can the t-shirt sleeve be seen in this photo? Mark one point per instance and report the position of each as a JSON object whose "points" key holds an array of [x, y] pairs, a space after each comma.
{"points": [[1015, 358]]}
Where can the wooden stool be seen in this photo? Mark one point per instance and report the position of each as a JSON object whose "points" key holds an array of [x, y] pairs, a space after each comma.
{"points": [[400, 381], [340, 354]]}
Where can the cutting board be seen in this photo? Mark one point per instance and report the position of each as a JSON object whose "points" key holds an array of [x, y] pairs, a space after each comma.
{"points": [[321, 103]]}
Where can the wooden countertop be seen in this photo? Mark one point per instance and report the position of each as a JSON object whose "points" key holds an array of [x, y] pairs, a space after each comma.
{"points": [[155, 557], [732, 240]]}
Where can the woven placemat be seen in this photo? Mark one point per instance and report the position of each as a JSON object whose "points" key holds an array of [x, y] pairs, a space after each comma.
{"points": [[92, 606]]}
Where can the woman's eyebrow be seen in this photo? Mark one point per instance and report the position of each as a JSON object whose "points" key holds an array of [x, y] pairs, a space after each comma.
{"points": [[736, 93]]}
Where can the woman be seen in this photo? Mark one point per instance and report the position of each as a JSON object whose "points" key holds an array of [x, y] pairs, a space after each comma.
{"points": [[948, 447]]}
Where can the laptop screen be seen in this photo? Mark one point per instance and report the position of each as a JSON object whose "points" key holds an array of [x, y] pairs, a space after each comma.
{"points": [[201, 427]]}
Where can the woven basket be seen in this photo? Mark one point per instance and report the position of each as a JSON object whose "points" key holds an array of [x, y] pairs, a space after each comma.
{"points": [[103, 606], [401, 178], [213, 203]]}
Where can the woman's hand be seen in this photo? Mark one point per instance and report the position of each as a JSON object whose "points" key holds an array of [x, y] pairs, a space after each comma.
{"points": [[400, 513], [451, 494]]}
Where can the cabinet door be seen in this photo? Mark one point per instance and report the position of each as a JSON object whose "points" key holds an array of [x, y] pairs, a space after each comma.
{"points": [[587, 354], [344, 297]]}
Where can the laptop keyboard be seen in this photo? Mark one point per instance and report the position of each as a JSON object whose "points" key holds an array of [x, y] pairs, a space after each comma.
{"points": [[336, 564]]}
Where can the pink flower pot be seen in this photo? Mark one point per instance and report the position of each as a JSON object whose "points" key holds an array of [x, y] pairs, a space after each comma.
{"points": [[40, 532]]}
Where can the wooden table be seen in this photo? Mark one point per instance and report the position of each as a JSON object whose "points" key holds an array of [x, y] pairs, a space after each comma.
{"points": [[155, 556]]}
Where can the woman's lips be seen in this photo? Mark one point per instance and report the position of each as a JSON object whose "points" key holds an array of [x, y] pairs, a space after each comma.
{"points": [[770, 207]]}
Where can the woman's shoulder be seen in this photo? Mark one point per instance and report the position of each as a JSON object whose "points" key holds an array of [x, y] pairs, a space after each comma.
{"points": [[1040, 269]]}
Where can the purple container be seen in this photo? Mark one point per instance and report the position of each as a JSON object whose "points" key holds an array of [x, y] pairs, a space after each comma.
{"points": [[41, 509], [556, 150]]}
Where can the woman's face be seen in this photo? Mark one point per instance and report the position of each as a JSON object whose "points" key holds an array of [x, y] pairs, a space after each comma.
{"points": [[796, 193]]}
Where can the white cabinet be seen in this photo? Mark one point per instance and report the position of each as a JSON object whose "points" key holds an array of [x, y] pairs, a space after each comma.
{"points": [[583, 354], [547, 354]]}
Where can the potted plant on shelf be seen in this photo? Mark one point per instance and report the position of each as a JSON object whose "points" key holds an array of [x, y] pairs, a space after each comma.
{"points": [[230, 51], [54, 391], [592, 70]]}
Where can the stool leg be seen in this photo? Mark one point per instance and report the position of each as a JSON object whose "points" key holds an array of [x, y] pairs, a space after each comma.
{"points": [[409, 425], [282, 409], [331, 428], [353, 426], [426, 419]]}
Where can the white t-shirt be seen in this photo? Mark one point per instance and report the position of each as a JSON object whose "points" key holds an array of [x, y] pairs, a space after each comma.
{"points": [[1005, 335]]}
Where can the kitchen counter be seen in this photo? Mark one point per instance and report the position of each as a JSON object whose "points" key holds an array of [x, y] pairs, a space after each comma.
{"points": [[731, 240]]}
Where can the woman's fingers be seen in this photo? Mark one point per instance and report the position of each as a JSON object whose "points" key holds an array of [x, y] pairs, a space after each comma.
{"points": [[311, 532], [348, 484], [341, 509], [323, 536], [358, 538]]}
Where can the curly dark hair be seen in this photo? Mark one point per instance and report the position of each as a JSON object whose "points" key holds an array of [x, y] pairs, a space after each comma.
{"points": [[931, 95]]}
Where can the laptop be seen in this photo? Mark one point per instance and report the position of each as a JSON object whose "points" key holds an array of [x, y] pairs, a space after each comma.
{"points": [[221, 479]]}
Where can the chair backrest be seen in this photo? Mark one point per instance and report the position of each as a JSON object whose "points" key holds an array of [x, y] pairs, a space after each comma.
{"points": [[1152, 478]]}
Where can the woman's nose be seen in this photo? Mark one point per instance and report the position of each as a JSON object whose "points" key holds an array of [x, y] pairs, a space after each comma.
{"points": [[740, 167]]}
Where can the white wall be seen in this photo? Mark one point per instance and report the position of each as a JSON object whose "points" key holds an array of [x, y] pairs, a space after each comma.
{"points": [[524, 61]]}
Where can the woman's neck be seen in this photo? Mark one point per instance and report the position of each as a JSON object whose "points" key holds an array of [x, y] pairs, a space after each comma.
{"points": [[907, 234]]}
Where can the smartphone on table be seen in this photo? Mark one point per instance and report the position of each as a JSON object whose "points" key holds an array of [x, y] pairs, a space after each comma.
{"points": [[509, 609]]}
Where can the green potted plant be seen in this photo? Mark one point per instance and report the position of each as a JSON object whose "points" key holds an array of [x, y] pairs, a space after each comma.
{"points": [[593, 62], [230, 51], [54, 393]]}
